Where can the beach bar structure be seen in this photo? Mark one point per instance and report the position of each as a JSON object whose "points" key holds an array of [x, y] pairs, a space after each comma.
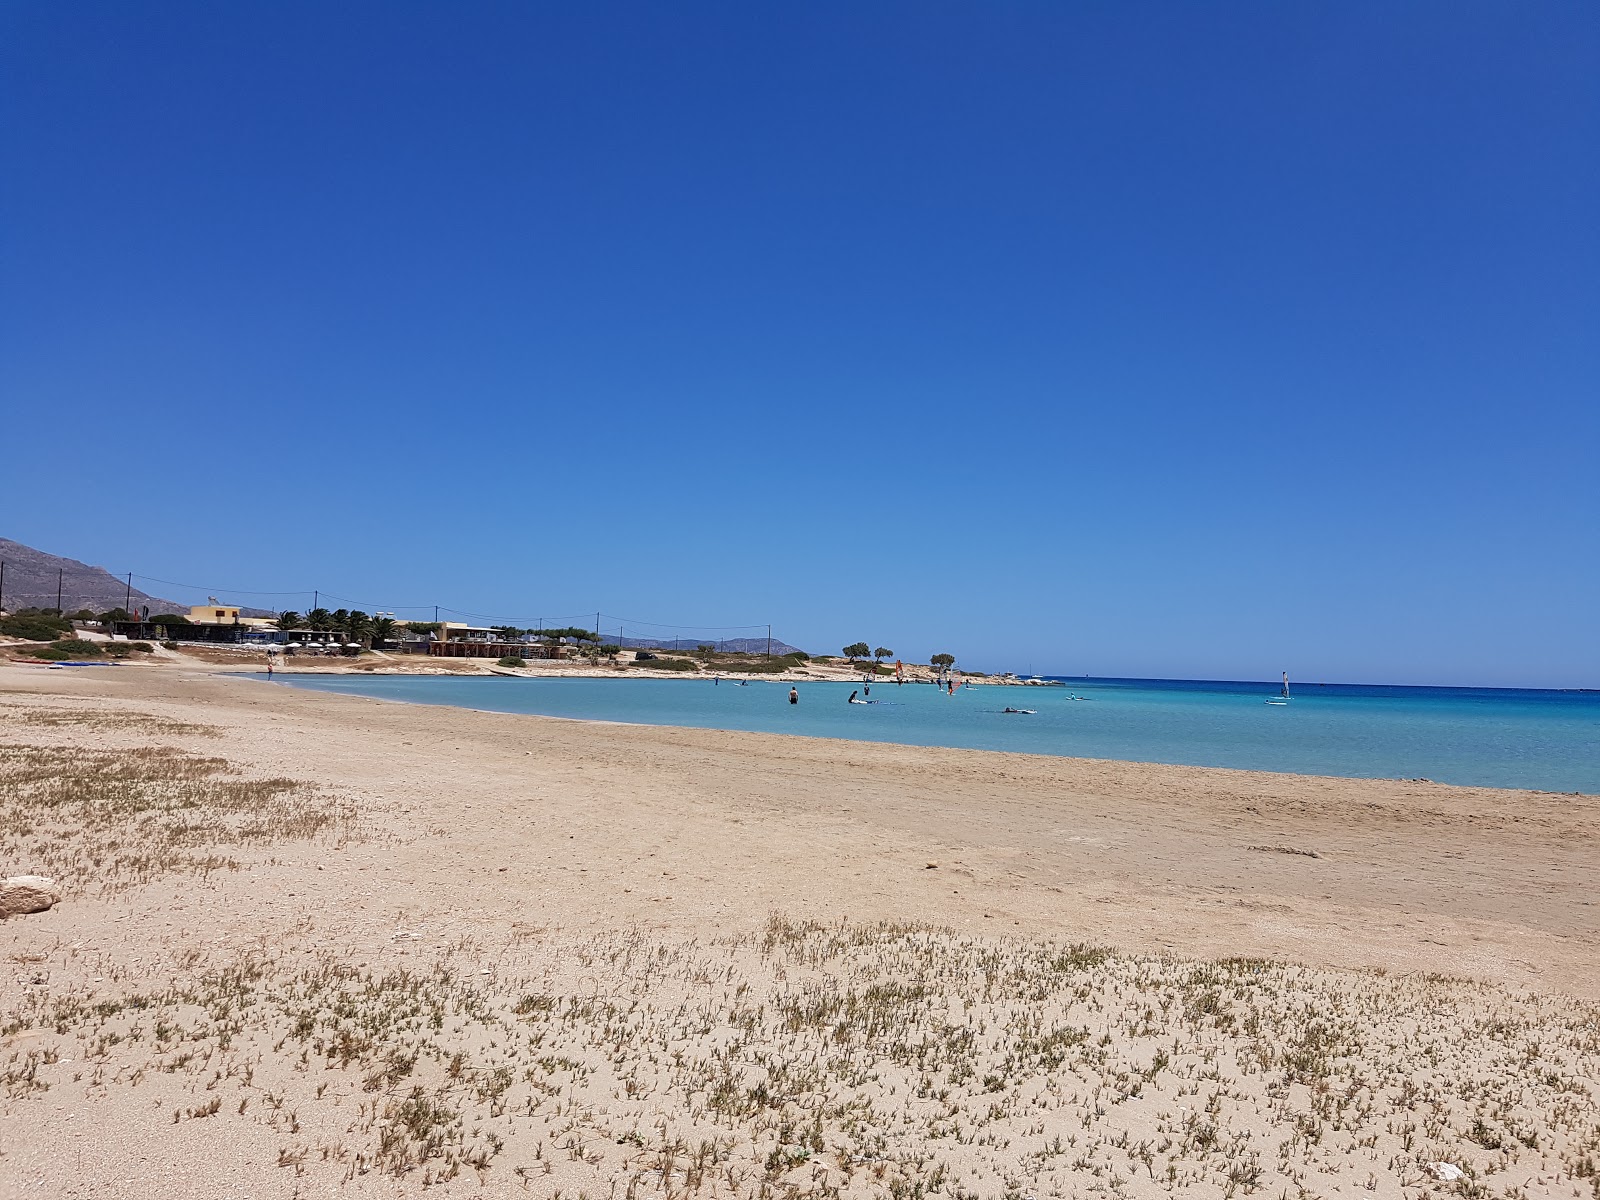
{"points": [[152, 631], [468, 641]]}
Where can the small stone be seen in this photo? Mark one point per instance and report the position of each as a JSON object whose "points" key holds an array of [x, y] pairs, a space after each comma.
{"points": [[27, 894], [932, 865]]}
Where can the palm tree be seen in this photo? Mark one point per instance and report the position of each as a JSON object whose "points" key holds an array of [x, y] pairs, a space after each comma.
{"points": [[382, 630], [287, 620], [357, 624], [319, 620]]}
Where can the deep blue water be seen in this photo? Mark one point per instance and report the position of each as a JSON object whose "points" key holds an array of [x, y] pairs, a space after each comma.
{"points": [[1490, 736]]}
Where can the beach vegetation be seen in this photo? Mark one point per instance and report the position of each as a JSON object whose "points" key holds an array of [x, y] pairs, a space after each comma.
{"points": [[657, 663], [512, 660], [422, 629], [882, 653], [34, 625], [319, 620], [856, 650], [142, 647], [169, 645], [287, 620], [72, 648], [114, 614], [83, 614], [945, 661], [169, 619], [383, 630], [798, 656]]}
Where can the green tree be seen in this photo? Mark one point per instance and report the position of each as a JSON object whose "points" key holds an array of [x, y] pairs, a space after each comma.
{"points": [[114, 614], [943, 661], [357, 624], [857, 650], [383, 629], [319, 620], [882, 653], [169, 619], [287, 620]]}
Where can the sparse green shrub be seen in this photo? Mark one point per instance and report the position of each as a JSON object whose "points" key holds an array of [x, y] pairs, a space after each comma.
{"points": [[757, 666], [34, 626], [672, 664], [77, 648], [169, 645], [512, 660], [142, 647]]}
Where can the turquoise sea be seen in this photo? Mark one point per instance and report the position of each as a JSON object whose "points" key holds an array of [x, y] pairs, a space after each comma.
{"points": [[1544, 740]]}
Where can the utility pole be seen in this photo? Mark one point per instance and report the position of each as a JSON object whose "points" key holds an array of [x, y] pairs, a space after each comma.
{"points": [[769, 641], [597, 625], [59, 572], [2, 585], [315, 596], [127, 603], [435, 614]]}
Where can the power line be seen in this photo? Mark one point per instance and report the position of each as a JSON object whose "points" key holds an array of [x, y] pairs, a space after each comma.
{"points": [[574, 618], [195, 587]]}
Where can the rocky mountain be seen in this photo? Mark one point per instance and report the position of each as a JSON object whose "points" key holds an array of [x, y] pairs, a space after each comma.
{"points": [[31, 577]]}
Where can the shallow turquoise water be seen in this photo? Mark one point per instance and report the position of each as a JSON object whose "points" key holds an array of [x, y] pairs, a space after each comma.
{"points": [[1493, 737]]}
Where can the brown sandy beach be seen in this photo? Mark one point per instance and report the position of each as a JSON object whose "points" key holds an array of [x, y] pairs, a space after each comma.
{"points": [[487, 951]]}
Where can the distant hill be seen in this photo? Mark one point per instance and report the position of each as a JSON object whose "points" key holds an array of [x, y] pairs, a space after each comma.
{"points": [[31, 575], [30, 582], [725, 645]]}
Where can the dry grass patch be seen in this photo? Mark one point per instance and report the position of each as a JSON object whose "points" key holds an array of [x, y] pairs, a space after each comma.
{"points": [[103, 720], [101, 821], [846, 1061]]}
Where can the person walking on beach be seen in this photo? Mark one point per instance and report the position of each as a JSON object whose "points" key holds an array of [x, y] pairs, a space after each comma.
{"points": [[794, 695]]}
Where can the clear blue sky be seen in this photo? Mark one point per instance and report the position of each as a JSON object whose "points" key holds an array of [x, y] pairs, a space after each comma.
{"points": [[1143, 339]]}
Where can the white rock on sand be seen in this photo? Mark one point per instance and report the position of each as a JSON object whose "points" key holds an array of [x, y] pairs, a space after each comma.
{"points": [[26, 894]]}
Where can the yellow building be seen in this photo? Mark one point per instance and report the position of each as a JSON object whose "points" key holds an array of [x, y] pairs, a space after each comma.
{"points": [[214, 613]]}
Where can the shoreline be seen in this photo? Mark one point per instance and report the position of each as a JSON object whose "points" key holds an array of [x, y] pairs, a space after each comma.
{"points": [[1396, 779], [309, 942], [1177, 826]]}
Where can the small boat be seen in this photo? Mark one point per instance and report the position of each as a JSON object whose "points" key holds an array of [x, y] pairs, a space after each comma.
{"points": [[1282, 697]]}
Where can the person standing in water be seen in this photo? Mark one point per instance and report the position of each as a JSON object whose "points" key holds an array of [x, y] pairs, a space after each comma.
{"points": [[794, 695]]}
